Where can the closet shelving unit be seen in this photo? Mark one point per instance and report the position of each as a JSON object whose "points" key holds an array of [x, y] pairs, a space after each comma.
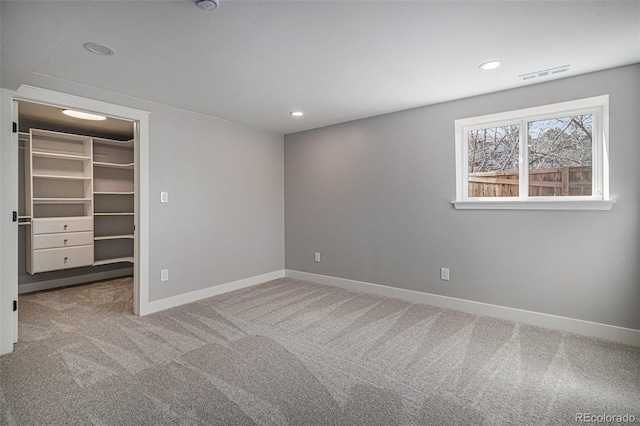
{"points": [[113, 192], [79, 201], [59, 201]]}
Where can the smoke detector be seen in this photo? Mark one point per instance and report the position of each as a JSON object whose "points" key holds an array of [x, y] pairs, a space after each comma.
{"points": [[207, 5]]}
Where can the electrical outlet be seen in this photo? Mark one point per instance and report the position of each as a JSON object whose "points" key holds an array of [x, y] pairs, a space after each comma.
{"points": [[444, 274], [164, 275], [317, 257]]}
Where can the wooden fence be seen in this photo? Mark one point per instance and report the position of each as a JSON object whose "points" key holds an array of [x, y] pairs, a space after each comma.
{"points": [[559, 181]]}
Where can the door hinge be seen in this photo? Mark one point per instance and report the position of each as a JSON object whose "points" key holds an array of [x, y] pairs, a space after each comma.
{"points": [[15, 216], [15, 305], [15, 127]]}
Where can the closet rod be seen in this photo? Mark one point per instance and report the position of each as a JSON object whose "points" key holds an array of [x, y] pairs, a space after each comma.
{"points": [[24, 223]]}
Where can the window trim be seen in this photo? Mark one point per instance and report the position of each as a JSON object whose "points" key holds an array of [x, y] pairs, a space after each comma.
{"points": [[599, 200]]}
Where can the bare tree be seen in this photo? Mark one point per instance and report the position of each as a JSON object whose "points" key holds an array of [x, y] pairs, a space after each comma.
{"points": [[558, 142], [495, 148], [555, 142]]}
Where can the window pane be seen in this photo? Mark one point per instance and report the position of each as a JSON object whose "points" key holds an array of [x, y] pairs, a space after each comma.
{"points": [[560, 156], [494, 161]]}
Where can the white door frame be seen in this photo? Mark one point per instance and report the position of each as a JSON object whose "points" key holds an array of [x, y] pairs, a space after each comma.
{"points": [[8, 198]]}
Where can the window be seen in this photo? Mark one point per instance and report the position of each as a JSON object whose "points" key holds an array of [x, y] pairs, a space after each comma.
{"points": [[548, 157]]}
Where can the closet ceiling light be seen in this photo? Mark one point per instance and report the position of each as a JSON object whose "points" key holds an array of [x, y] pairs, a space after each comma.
{"points": [[491, 65], [99, 49], [297, 113], [83, 115]]}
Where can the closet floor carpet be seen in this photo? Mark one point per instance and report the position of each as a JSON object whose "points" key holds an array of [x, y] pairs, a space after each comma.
{"points": [[289, 352]]}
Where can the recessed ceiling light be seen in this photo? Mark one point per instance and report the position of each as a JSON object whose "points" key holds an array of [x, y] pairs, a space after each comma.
{"points": [[83, 115], [297, 113], [491, 65], [99, 49]]}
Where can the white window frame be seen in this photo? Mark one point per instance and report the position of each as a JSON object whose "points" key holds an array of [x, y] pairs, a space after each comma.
{"points": [[599, 200]]}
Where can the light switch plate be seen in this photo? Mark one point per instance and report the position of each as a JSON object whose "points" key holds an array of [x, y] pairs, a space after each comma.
{"points": [[444, 274], [164, 197]]}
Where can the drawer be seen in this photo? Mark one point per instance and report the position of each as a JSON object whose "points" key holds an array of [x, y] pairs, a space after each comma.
{"points": [[61, 224], [61, 258], [68, 239]]}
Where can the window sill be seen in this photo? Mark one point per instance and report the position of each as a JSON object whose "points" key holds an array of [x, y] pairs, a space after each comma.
{"points": [[534, 205]]}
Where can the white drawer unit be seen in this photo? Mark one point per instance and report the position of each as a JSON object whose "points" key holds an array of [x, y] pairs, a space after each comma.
{"points": [[71, 239], [60, 243], [61, 224], [61, 258]]}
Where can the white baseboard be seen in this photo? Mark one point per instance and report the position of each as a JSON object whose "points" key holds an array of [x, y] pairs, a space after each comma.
{"points": [[194, 296], [79, 279], [586, 328]]}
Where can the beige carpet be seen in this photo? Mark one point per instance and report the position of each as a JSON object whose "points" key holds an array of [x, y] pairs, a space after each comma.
{"points": [[297, 353]]}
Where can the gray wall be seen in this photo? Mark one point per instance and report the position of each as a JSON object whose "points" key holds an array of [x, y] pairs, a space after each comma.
{"points": [[373, 196], [225, 217], [224, 220]]}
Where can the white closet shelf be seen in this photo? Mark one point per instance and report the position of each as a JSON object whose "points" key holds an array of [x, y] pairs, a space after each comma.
{"points": [[128, 166], [39, 176], [70, 156], [114, 237], [114, 260], [61, 200], [112, 193], [113, 214]]}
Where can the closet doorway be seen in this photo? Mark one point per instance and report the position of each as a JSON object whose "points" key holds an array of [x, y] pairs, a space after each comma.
{"points": [[76, 197], [9, 196], [9, 283]]}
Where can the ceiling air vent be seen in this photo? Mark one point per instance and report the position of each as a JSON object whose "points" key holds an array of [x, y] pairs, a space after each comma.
{"points": [[544, 73]]}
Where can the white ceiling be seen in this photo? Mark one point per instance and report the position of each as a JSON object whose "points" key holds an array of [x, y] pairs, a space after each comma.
{"points": [[255, 61]]}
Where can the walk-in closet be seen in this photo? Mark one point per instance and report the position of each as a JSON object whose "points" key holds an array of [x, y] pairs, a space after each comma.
{"points": [[76, 198]]}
